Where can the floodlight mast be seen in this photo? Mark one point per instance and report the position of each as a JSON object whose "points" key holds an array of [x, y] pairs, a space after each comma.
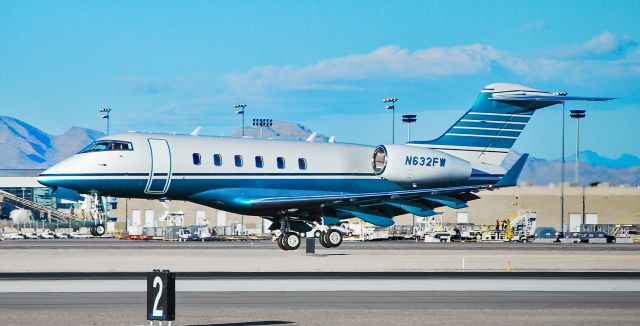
{"points": [[562, 93], [107, 116], [262, 123], [578, 114], [409, 119], [392, 107], [240, 110]]}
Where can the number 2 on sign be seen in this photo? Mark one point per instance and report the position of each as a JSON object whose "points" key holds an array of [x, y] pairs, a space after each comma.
{"points": [[157, 282]]}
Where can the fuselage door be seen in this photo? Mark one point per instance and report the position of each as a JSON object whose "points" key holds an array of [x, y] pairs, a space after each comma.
{"points": [[160, 172]]}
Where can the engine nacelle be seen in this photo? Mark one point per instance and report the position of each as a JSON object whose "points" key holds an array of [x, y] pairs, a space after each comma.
{"points": [[419, 165]]}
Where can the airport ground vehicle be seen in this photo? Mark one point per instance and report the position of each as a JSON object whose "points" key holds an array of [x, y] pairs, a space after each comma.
{"points": [[200, 233], [184, 234], [16, 236], [46, 235]]}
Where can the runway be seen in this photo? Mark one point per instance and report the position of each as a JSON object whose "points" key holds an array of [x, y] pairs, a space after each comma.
{"points": [[331, 299], [329, 308], [110, 255], [102, 282]]}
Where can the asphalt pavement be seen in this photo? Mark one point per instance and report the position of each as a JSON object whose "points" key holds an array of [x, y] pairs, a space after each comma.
{"points": [[330, 308]]}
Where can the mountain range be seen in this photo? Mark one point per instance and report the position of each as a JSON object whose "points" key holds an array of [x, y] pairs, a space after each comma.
{"points": [[23, 146]]}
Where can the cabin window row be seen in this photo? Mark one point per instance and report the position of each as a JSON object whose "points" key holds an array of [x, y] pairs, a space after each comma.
{"points": [[259, 161]]}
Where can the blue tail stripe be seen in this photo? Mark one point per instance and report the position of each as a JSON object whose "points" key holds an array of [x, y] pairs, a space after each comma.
{"points": [[490, 125], [483, 117], [486, 113], [467, 131], [472, 141]]}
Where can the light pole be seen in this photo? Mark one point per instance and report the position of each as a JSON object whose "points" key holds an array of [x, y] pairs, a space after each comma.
{"points": [[578, 114], [106, 115], [262, 123], [562, 93], [409, 119], [240, 110], [392, 107]]}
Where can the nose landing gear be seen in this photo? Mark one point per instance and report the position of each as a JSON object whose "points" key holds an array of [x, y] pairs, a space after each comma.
{"points": [[98, 213]]}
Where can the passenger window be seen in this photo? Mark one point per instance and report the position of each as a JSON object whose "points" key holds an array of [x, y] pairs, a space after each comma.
{"points": [[217, 159], [280, 162], [302, 163], [259, 162], [196, 159], [238, 160]]}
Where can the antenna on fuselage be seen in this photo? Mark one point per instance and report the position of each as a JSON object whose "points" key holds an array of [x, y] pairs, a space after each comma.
{"points": [[196, 131]]}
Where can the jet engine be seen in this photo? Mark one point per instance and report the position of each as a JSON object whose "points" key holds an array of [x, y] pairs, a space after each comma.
{"points": [[419, 165]]}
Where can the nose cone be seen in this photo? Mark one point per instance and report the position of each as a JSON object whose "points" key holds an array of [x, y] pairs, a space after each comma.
{"points": [[48, 177]]}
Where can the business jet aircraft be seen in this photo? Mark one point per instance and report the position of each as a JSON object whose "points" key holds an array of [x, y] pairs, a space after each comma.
{"points": [[299, 184]]}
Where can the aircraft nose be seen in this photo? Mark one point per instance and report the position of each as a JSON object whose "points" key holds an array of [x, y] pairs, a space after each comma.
{"points": [[47, 178]]}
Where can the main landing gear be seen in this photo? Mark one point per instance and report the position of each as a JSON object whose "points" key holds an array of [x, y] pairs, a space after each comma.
{"points": [[331, 238], [290, 240]]}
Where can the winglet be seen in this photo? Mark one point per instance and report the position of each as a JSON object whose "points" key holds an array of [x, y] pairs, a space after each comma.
{"points": [[196, 131], [312, 137], [510, 178]]}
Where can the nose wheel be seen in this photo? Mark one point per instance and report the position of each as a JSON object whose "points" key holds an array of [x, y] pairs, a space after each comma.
{"points": [[98, 230]]}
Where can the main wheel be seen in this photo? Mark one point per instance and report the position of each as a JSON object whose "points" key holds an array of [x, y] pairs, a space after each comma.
{"points": [[280, 241], [323, 240], [92, 230], [334, 238], [291, 240], [99, 230]]}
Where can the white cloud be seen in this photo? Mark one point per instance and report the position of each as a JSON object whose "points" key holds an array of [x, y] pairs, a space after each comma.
{"points": [[384, 62], [605, 55], [602, 46]]}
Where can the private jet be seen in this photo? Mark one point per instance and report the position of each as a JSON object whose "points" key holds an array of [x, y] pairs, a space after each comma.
{"points": [[301, 185]]}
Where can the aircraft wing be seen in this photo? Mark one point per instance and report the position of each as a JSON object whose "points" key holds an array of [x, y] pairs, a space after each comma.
{"points": [[353, 198], [377, 208]]}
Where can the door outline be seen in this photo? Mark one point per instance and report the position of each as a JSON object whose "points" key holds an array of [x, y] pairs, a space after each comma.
{"points": [[151, 171]]}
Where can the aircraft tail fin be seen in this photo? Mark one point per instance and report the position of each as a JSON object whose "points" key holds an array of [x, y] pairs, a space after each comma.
{"points": [[487, 131]]}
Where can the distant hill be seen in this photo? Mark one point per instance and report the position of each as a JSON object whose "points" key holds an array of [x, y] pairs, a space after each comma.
{"points": [[624, 161], [542, 172], [23, 146]]}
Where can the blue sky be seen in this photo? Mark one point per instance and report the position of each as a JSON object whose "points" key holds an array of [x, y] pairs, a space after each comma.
{"points": [[170, 66]]}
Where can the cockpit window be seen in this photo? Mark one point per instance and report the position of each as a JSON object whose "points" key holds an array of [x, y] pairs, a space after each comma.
{"points": [[108, 145]]}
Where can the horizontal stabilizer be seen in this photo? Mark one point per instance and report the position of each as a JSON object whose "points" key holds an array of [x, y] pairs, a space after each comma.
{"points": [[447, 201], [510, 178], [368, 216], [411, 207], [546, 98]]}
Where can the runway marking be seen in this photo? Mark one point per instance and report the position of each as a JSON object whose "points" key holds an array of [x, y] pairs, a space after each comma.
{"points": [[324, 285]]}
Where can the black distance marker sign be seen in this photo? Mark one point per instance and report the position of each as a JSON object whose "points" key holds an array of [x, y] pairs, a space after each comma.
{"points": [[161, 295]]}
